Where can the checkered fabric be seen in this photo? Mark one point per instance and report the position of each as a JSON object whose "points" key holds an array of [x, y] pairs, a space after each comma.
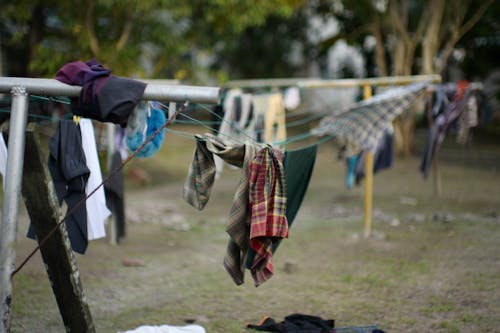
{"points": [[238, 226], [362, 125], [268, 210], [200, 179]]}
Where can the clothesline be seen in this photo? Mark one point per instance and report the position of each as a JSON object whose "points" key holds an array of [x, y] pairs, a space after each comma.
{"points": [[81, 202], [191, 120]]}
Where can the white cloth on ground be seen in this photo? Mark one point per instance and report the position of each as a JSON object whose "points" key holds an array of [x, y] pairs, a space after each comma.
{"points": [[167, 329], [97, 211]]}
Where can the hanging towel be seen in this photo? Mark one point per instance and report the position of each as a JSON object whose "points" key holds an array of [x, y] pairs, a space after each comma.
{"points": [[201, 176], [298, 167], [70, 173], [104, 97], [202, 170], [270, 113], [238, 225], [97, 212], [382, 159], [268, 221], [362, 125]]}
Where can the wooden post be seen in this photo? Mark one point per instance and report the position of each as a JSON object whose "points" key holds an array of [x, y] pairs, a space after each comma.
{"points": [[43, 209], [368, 198]]}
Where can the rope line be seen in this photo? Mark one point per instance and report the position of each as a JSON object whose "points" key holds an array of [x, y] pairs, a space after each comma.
{"points": [[79, 203]]}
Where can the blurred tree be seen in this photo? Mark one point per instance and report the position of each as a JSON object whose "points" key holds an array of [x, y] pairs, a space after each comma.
{"points": [[404, 27], [412, 36], [152, 38]]}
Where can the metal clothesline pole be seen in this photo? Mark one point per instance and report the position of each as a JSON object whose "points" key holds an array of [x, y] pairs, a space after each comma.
{"points": [[13, 176], [20, 88]]}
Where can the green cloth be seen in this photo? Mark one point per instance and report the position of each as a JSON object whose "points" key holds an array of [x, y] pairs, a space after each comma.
{"points": [[298, 165]]}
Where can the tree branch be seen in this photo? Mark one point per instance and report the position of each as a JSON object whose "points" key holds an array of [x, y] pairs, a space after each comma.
{"points": [[127, 29], [398, 23], [89, 25], [459, 32]]}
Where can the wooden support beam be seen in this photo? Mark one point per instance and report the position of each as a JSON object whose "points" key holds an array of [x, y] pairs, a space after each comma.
{"points": [[43, 209], [368, 198]]}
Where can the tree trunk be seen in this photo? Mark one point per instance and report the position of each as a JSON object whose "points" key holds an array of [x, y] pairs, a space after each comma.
{"points": [[431, 43]]}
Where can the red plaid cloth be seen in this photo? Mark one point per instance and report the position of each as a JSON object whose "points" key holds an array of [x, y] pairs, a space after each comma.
{"points": [[267, 197]]}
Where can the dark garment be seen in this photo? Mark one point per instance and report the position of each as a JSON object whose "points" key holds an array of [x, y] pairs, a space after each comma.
{"points": [[298, 166], [381, 160], [296, 323], [104, 97], [115, 198], [69, 171], [439, 127]]}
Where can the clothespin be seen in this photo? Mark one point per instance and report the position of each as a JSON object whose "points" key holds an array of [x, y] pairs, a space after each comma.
{"points": [[76, 120]]}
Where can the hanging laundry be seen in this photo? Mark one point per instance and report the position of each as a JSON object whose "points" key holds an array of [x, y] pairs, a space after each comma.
{"points": [[382, 159], [298, 166], [115, 195], [237, 123], [440, 125], [268, 222], [239, 155], [291, 98], [361, 126], [97, 212], [201, 176], [270, 109], [144, 121], [467, 120], [70, 173], [103, 97], [351, 162]]}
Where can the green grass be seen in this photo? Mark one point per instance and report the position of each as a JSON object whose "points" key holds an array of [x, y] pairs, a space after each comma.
{"points": [[419, 276]]}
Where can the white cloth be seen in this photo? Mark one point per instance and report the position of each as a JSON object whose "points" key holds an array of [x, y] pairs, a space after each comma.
{"points": [[291, 98], [167, 329], [3, 158], [97, 211]]}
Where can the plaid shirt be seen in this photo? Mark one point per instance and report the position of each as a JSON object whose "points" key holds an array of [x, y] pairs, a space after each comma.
{"points": [[362, 125], [268, 209]]}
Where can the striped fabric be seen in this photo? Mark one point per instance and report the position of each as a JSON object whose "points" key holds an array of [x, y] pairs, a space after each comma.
{"points": [[362, 125], [268, 208]]}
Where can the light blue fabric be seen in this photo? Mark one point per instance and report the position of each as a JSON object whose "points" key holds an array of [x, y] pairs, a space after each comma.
{"points": [[141, 126]]}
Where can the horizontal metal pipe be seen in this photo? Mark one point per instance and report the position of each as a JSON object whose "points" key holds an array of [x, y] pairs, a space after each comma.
{"points": [[153, 91], [377, 81], [340, 83]]}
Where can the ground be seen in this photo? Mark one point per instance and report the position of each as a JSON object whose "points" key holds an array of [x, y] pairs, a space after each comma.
{"points": [[431, 265]]}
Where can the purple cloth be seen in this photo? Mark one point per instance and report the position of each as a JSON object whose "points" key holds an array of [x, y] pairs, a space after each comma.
{"points": [[104, 97]]}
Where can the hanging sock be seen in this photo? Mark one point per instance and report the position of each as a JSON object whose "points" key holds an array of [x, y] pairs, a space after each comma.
{"points": [[144, 121]]}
